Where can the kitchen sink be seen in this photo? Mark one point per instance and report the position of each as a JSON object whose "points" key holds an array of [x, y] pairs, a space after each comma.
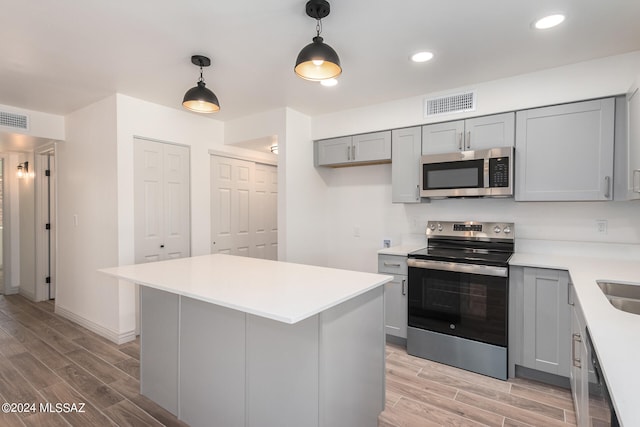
{"points": [[626, 304], [623, 296]]}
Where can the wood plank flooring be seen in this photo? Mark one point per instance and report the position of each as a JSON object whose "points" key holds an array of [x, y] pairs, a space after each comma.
{"points": [[422, 393], [46, 358]]}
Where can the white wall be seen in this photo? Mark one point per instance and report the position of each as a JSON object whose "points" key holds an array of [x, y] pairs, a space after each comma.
{"points": [[26, 207], [87, 190], [41, 125], [359, 198]]}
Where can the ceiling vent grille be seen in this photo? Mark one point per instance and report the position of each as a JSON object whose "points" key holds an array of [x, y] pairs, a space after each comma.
{"points": [[458, 103], [12, 120]]}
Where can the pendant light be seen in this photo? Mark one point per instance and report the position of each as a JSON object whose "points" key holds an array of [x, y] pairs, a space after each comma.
{"points": [[199, 98], [318, 61]]}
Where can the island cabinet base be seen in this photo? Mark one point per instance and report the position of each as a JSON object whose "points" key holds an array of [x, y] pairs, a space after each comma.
{"points": [[211, 365]]}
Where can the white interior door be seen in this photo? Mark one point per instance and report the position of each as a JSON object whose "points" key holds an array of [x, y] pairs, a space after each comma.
{"points": [[231, 185], [161, 201], [263, 212], [243, 208]]}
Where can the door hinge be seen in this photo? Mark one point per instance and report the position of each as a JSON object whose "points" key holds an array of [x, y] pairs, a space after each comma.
{"points": [[47, 226], [47, 172], [47, 279]]}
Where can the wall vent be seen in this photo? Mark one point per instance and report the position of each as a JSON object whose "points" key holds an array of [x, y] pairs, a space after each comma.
{"points": [[458, 103], [12, 120]]}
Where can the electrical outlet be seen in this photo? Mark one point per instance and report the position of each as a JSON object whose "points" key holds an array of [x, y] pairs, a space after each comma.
{"points": [[601, 226], [386, 243]]}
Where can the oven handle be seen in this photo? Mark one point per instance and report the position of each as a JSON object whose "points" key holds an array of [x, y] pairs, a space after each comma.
{"points": [[485, 270]]}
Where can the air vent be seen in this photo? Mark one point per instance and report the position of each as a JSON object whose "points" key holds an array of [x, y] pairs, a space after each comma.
{"points": [[12, 120], [458, 103]]}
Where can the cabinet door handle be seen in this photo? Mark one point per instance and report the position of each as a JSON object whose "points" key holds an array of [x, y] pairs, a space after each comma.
{"points": [[569, 295], [404, 289], [391, 264], [576, 360], [353, 152], [348, 153], [460, 147], [607, 184], [636, 181], [468, 139]]}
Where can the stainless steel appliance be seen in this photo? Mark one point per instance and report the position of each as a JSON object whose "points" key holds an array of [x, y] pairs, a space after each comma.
{"points": [[458, 296], [480, 173]]}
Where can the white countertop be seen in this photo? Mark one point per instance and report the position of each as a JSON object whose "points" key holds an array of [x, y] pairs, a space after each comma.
{"points": [[277, 290], [401, 250], [615, 334]]}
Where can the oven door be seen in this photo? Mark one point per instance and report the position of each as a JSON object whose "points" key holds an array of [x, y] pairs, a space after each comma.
{"points": [[463, 300]]}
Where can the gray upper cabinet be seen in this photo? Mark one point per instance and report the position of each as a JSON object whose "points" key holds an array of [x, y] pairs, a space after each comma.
{"points": [[406, 148], [627, 151], [366, 148], [471, 134], [333, 151], [565, 152]]}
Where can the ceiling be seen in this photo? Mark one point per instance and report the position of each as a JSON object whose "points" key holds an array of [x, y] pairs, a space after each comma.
{"points": [[58, 56]]}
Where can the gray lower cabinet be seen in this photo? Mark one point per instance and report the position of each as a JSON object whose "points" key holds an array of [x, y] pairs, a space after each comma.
{"points": [[395, 294], [368, 148], [565, 152], [539, 321], [579, 376], [406, 149]]}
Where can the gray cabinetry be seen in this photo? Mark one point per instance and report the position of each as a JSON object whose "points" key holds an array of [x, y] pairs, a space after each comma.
{"points": [[406, 148], [366, 148], [395, 294], [565, 152], [471, 134], [539, 320], [579, 376], [627, 166]]}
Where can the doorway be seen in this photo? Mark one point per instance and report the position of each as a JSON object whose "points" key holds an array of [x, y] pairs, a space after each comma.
{"points": [[45, 191]]}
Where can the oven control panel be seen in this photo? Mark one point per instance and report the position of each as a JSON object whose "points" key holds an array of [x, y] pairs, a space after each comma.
{"points": [[476, 229]]}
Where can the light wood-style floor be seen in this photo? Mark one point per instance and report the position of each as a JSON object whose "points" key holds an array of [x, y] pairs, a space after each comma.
{"points": [[421, 393], [46, 358]]}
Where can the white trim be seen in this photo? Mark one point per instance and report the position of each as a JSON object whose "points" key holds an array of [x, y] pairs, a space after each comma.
{"points": [[107, 333], [162, 141], [28, 295], [255, 159]]}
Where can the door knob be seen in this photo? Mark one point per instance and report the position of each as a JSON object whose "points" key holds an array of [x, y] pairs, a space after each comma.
{"points": [[161, 246]]}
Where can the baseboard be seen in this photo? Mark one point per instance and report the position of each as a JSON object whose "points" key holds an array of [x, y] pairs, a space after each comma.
{"points": [[28, 295], [112, 336]]}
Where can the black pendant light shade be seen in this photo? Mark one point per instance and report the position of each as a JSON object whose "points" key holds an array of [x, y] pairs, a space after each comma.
{"points": [[317, 60], [199, 98]]}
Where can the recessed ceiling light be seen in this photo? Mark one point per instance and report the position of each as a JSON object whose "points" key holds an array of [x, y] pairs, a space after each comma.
{"points": [[548, 22], [329, 82], [421, 56]]}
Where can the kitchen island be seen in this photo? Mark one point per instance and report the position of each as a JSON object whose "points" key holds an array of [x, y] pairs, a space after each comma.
{"points": [[235, 341]]}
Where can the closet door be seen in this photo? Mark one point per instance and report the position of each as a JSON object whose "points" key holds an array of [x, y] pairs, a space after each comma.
{"points": [[264, 221], [231, 185], [161, 201]]}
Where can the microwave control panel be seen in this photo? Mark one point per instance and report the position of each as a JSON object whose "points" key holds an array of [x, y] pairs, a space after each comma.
{"points": [[499, 172]]}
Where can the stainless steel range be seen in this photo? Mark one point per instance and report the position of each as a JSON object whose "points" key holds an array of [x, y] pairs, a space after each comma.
{"points": [[458, 296]]}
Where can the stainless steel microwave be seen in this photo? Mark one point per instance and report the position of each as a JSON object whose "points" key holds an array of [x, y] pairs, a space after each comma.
{"points": [[479, 173]]}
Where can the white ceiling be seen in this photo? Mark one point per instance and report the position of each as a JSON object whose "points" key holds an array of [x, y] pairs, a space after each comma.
{"points": [[58, 56]]}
